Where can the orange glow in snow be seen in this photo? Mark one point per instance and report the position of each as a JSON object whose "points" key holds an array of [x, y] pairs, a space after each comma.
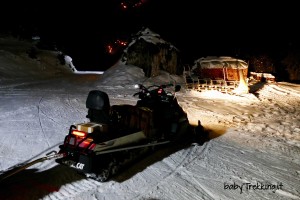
{"points": [[243, 86]]}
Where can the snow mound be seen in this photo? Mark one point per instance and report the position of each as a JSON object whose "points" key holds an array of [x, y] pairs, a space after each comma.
{"points": [[122, 75], [16, 63], [165, 78], [129, 75], [216, 95]]}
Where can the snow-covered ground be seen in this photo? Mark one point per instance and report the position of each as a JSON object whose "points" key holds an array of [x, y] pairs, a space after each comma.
{"points": [[253, 153]]}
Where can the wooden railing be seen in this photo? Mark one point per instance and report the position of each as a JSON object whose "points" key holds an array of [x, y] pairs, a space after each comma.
{"points": [[200, 84]]}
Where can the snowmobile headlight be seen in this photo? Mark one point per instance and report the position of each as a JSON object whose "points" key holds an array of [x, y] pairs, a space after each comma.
{"points": [[136, 86]]}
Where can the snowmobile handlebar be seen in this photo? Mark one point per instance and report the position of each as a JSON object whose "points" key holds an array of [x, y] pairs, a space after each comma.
{"points": [[142, 87], [155, 93], [145, 91]]}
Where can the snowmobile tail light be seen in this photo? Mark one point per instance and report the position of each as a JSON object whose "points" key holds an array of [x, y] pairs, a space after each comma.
{"points": [[87, 143], [79, 133]]}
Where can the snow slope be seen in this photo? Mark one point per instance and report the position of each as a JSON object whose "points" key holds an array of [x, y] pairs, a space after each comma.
{"points": [[253, 153]]}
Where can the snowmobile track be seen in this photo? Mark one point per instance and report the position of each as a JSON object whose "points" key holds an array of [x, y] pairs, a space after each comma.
{"points": [[192, 154], [40, 122]]}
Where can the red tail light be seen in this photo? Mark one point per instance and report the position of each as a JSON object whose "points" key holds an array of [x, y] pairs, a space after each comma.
{"points": [[79, 133], [87, 143], [79, 138]]}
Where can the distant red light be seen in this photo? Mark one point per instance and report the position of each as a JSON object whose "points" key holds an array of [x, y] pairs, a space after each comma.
{"points": [[123, 5], [109, 49], [132, 4], [116, 46]]}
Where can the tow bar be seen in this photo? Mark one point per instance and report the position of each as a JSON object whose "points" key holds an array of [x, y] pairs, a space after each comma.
{"points": [[19, 167]]}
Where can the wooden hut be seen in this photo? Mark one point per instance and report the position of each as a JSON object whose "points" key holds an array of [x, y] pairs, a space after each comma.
{"points": [[226, 68]]}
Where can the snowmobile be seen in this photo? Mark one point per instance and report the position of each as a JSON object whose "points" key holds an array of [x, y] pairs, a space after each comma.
{"points": [[117, 135]]}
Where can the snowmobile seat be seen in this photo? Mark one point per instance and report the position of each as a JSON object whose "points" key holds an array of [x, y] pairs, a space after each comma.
{"points": [[123, 116], [134, 118], [98, 106], [98, 116]]}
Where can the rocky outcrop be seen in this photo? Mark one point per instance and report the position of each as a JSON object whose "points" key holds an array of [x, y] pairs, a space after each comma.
{"points": [[148, 51]]}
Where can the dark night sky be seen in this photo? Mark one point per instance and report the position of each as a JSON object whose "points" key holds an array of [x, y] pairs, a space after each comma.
{"points": [[196, 28]]}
